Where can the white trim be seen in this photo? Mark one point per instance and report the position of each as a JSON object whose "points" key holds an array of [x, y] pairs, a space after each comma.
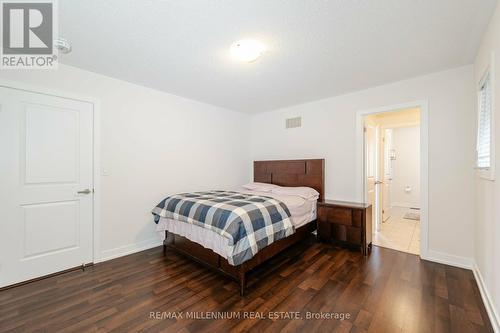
{"points": [[129, 249], [96, 223], [487, 299], [46, 91], [423, 105], [97, 181], [448, 259]]}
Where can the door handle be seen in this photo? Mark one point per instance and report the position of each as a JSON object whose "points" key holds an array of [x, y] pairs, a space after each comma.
{"points": [[86, 191], [378, 182]]}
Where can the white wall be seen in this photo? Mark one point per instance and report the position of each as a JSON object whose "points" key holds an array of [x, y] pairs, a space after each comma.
{"points": [[152, 144], [406, 167], [487, 222], [328, 132]]}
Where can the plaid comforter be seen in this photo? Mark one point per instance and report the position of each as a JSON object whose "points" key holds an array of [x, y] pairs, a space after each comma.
{"points": [[249, 222]]}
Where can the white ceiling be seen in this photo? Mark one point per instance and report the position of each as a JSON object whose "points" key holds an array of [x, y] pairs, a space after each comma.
{"points": [[317, 48]]}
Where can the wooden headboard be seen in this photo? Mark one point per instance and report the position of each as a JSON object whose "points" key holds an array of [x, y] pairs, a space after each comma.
{"points": [[310, 173]]}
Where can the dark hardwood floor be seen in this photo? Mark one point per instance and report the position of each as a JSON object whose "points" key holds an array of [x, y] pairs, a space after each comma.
{"points": [[389, 291]]}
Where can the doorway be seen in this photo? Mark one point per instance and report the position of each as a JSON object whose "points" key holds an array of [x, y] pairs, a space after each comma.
{"points": [[392, 175]]}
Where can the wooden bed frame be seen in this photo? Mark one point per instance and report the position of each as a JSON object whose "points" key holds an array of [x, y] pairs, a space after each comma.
{"points": [[309, 173]]}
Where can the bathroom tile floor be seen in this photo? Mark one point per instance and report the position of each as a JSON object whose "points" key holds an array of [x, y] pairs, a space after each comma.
{"points": [[398, 233]]}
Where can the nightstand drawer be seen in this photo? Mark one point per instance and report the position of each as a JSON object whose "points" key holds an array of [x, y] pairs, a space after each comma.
{"points": [[335, 215], [344, 233], [357, 218], [340, 232], [340, 215]]}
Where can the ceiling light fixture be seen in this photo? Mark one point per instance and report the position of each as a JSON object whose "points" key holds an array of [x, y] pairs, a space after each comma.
{"points": [[247, 50]]}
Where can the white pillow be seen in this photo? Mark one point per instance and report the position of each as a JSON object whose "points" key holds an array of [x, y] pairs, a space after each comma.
{"points": [[261, 187], [307, 193]]}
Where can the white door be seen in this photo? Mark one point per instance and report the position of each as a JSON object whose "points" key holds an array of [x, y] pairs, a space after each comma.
{"points": [[46, 198], [370, 162], [373, 184], [371, 167], [388, 152]]}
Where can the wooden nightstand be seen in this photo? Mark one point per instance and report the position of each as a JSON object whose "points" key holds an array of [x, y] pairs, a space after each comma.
{"points": [[347, 223]]}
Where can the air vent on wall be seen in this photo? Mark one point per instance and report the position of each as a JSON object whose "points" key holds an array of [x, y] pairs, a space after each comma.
{"points": [[294, 122]]}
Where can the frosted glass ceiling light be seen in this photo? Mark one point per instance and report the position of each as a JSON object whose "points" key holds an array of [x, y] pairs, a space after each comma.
{"points": [[247, 50]]}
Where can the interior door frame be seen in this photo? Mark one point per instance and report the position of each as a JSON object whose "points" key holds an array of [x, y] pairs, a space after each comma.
{"points": [[423, 105], [96, 147]]}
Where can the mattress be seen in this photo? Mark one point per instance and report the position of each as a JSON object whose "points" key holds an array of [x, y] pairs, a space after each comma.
{"points": [[302, 211]]}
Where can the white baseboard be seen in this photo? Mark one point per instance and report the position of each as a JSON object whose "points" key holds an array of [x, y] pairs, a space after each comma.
{"points": [[487, 299], [129, 249], [448, 259]]}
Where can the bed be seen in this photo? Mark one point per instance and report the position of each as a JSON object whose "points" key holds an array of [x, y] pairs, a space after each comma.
{"points": [[210, 249]]}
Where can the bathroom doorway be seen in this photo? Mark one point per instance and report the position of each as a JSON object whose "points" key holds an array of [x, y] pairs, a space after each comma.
{"points": [[392, 177]]}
